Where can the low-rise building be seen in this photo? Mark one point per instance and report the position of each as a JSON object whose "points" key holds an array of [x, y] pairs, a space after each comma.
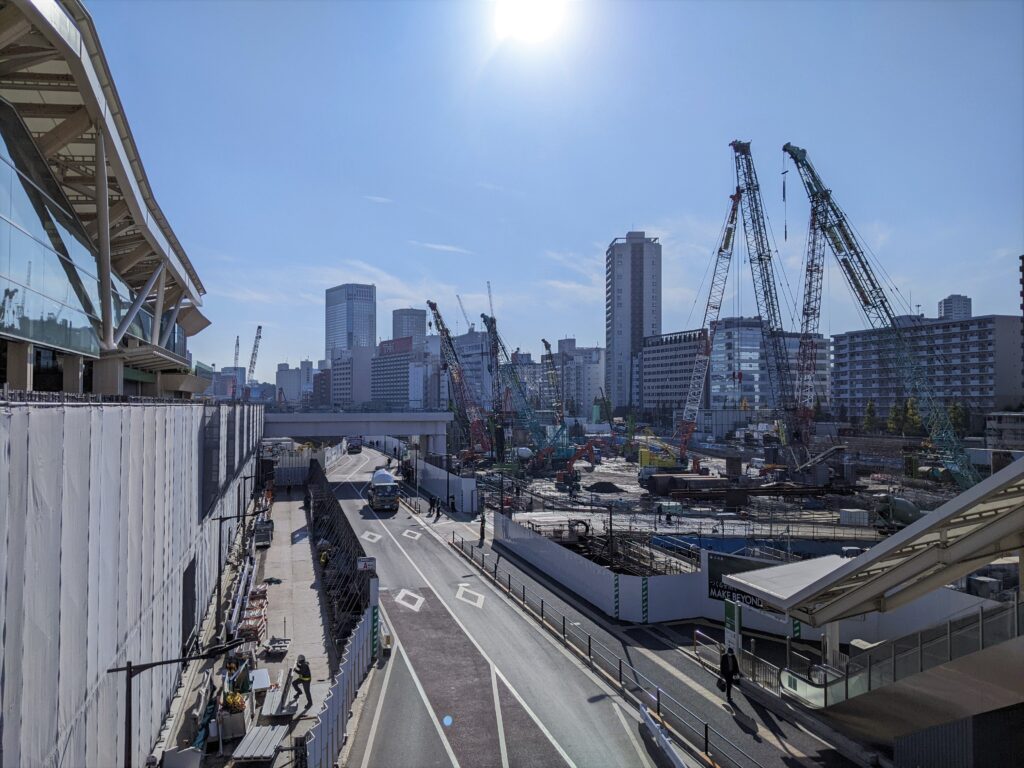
{"points": [[666, 369], [1005, 429]]}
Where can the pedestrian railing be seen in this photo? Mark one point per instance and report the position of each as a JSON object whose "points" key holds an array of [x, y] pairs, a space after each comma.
{"points": [[897, 659], [688, 727], [755, 669]]}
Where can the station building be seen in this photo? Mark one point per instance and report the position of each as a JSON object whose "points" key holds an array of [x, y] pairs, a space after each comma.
{"points": [[111, 474]]}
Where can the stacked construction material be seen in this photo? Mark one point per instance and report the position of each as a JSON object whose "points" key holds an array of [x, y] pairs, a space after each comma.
{"points": [[253, 625]]}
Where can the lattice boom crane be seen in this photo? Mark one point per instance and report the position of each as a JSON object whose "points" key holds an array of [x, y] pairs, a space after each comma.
{"points": [[723, 259], [255, 351], [830, 224], [464, 399]]}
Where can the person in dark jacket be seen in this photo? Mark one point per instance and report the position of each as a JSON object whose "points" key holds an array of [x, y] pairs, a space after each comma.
{"points": [[303, 677], [729, 669]]}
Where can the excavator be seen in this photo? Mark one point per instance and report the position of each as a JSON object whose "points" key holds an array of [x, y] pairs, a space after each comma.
{"points": [[568, 479]]}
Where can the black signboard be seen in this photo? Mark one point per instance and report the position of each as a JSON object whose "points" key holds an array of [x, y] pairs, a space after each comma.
{"points": [[720, 565]]}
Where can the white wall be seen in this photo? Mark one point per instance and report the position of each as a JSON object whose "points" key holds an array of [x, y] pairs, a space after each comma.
{"points": [[99, 518], [685, 596]]}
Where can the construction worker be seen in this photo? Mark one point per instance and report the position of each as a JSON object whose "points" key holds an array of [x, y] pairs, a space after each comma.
{"points": [[303, 677]]}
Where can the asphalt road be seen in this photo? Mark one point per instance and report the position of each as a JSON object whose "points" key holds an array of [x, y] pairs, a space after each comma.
{"points": [[657, 652], [471, 681]]}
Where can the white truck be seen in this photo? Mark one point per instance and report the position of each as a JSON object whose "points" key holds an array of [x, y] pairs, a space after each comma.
{"points": [[383, 493]]}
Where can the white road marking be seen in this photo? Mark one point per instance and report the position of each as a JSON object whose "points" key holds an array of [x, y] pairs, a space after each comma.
{"points": [[423, 693], [467, 595], [376, 716], [371, 537], [409, 533], [480, 649], [501, 726], [632, 737], [409, 600]]}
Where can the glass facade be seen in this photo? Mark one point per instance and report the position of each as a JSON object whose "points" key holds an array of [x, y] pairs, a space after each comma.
{"points": [[350, 318], [48, 267]]}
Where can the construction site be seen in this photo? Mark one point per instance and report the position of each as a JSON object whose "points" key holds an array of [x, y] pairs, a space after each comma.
{"points": [[642, 502]]}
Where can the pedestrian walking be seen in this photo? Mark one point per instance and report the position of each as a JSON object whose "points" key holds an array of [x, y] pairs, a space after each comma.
{"points": [[451, 503], [303, 677], [437, 509], [729, 669]]}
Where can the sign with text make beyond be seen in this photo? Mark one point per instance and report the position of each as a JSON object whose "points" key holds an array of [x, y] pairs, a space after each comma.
{"points": [[719, 565]]}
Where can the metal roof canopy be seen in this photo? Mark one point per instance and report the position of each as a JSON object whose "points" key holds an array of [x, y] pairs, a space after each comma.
{"points": [[978, 526], [52, 69]]}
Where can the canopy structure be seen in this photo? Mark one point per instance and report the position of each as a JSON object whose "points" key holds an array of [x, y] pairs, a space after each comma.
{"points": [[54, 73], [980, 525]]}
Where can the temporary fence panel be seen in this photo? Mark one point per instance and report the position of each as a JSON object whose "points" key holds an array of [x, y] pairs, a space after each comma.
{"points": [[99, 518], [327, 736]]}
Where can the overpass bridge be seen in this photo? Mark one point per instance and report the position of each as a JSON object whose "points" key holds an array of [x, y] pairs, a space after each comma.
{"points": [[334, 425]]}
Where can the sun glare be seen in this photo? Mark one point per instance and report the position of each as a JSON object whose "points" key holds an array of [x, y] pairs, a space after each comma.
{"points": [[531, 21]]}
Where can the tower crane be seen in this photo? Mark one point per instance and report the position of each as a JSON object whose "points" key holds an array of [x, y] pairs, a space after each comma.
{"points": [[554, 385], [762, 268], [830, 225], [468, 409], [251, 374], [702, 360]]}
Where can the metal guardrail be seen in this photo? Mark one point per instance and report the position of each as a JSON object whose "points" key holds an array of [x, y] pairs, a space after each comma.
{"points": [[755, 669], [897, 659], [685, 725]]}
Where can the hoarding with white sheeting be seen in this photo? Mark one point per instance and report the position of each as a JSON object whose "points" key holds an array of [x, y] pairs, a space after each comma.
{"points": [[99, 519]]}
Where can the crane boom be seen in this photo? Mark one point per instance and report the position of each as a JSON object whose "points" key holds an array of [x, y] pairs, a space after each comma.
{"points": [[255, 351], [701, 362], [464, 315], [234, 372], [551, 374], [465, 402], [514, 386], [834, 228], [762, 269]]}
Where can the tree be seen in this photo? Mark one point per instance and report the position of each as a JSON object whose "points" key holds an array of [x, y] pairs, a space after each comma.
{"points": [[958, 417], [870, 418], [897, 418], [914, 425]]}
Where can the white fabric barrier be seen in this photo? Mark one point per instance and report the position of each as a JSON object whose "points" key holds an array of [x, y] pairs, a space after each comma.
{"points": [[99, 519], [327, 736]]}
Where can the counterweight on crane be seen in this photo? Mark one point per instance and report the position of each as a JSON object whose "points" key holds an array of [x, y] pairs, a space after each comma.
{"points": [[468, 409], [702, 360], [830, 224], [762, 268]]}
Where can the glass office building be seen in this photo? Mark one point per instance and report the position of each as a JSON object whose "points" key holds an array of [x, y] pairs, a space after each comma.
{"points": [[350, 318]]}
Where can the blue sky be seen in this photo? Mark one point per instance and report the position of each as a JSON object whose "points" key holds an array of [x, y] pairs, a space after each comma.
{"points": [[297, 145]]}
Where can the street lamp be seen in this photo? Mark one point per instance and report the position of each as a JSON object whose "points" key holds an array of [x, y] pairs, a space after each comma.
{"points": [[220, 560], [131, 670]]}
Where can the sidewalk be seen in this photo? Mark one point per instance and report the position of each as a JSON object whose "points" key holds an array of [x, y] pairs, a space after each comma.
{"points": [[293, 607]]}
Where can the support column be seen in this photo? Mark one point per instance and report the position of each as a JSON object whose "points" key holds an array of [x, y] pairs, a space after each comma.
{"points": [[21, 361], [437, 444], [108, 376], [72, 367], [103, 232], [158, 309], [831, 638]]}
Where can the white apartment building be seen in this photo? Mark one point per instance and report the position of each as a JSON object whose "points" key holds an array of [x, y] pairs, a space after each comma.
{"points": [[581, 372]]}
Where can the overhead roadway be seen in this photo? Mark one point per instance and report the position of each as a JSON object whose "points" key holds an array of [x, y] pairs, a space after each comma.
{"points": [[980, 525], [53, 71]]}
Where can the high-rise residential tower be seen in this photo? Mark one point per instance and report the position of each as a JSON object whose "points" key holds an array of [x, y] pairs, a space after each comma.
{"points": [[632, 310], [409, 322], [955, 307], [350, 318]]}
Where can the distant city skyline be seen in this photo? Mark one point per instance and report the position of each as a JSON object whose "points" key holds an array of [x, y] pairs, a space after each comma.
{"points": [[448, 158]]}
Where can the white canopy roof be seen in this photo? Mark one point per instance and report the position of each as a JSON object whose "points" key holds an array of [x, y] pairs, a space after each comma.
{"points": [[978, 526]]}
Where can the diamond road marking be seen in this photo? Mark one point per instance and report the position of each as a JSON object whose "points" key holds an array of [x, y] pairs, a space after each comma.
{"points": [[371, 537], [409, 533], [467, 595], [410, 600]]}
